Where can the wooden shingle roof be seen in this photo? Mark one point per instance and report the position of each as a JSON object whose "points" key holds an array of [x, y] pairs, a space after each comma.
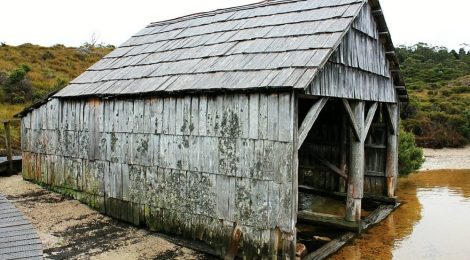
{"points": [[272, 44]]}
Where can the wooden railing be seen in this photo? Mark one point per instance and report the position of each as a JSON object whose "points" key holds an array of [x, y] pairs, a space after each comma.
{"points": [[8, 141]]}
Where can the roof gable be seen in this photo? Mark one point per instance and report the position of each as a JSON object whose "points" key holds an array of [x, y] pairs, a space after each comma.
{"points": [[273, 44]]}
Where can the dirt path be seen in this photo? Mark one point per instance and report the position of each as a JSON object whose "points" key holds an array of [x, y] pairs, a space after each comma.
{"points": [[69, 229], [437, 159]]}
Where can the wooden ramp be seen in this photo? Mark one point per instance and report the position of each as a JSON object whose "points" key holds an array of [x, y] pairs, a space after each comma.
{"points": [[18, 238]]}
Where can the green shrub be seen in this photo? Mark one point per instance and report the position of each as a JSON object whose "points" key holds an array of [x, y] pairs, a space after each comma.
{"points": [[410, 157]]}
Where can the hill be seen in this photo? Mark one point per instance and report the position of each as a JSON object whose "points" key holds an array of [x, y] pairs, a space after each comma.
{"points": [[50, 68], [438, 82]]}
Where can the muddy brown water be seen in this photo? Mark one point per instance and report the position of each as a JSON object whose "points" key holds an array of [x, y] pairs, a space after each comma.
{"points": [[432, 223]]}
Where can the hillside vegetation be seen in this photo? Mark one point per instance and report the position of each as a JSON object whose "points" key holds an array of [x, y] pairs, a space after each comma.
{"points": [[29, 72], [438, 82]]}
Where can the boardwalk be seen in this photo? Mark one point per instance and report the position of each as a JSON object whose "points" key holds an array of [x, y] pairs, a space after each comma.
{"points": [[18, 238]]}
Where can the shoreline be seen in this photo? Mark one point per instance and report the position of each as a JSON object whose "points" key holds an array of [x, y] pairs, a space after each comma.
{"points": [[446, 158]]}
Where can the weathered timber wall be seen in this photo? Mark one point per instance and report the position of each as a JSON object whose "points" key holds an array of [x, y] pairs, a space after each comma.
{"points": [[190, 165], [359, 68]]}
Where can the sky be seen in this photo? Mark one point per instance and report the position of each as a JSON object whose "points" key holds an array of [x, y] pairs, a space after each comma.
{"points": [[74, 22]]}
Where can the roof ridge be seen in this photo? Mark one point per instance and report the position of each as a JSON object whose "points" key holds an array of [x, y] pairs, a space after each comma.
{"points": [[221, 11]]}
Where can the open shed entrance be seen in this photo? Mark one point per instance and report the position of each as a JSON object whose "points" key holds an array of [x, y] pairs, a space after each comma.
{"points": [[324, 158]]}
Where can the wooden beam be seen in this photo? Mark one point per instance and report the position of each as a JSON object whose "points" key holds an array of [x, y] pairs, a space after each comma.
{"points": [[391, 116], [369, 119], [352, 119], [342, 195], [309, 120], [400, 87], [311, 97], [331, 247], [332, 167], [378, 215], [403, 97], [6, 125], [390, 53], [377, 12], [384, 33], [328, 220]]}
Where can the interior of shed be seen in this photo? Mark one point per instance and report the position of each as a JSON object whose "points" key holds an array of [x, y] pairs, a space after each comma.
{"points": [[323, 171]]}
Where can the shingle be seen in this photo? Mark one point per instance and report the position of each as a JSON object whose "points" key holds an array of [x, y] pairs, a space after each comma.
{"points": [[270, 44]]}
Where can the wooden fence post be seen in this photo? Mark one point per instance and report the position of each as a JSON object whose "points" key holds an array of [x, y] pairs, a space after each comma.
{"points": [[6, 125]]}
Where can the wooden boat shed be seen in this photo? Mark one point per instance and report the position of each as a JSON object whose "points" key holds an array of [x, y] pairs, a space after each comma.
{"points": [[209, 125]]}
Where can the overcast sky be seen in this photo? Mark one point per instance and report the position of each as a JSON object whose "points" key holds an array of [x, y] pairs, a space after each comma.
{"points": [[73, 22]]}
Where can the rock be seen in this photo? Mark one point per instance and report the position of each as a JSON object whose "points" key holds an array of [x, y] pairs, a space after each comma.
{"points": [[300, 250]]}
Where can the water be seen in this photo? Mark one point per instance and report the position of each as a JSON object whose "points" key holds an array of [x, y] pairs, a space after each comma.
{"points": [[432, 223]]}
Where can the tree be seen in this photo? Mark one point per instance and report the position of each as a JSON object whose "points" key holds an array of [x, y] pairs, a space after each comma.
{"points": [[17, 88], [410, 157]]}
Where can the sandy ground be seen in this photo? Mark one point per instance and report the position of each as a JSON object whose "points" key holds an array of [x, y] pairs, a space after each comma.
{"points": [[437, 159], [71, 230]]}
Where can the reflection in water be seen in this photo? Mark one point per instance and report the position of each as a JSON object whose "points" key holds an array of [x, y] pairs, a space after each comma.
{"points": [[432, 223]]}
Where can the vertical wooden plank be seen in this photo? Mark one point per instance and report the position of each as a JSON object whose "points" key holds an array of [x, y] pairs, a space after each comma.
{"points": [[222, 207], [194, 124], [166, 115], [186, 114], [179, 116], [244, 112], [263, 117], [285, 113], [158, 119], [294, 171], [219, 114], [211, 113], [125, 182], [171, 116], [273, 117], [147, 116], [202, 115]]}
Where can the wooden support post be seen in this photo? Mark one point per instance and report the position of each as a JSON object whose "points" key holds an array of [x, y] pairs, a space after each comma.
{"points": [[391, 170], [6, 125], [356, 163], [331, 166]]}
